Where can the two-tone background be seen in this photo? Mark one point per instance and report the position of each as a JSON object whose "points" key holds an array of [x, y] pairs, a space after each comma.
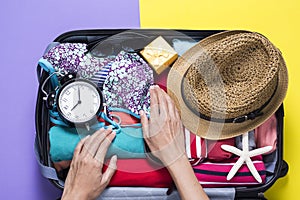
{"points": [[26, 27]]}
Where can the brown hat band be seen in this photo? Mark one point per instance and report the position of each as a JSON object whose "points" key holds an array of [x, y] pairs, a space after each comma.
{"points": [[250, 116]]}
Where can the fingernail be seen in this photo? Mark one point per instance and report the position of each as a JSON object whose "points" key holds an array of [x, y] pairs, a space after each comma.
{"points": [[87, 137], [99, 131], [152, 87], [113, 160], [141, 112], [114, 133]]}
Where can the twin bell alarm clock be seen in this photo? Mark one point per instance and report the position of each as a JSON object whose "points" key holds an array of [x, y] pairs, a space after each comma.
{"points": [[78, 100]]}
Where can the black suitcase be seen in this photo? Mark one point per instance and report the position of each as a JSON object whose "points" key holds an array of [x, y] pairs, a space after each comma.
{"points": [[91, 38]]}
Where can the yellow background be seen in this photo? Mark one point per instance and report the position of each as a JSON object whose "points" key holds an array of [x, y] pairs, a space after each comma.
{"points": [[277, 20]]}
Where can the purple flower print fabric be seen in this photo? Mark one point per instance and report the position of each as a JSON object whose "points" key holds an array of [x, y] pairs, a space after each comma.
{"points": [[127, 84], [127, 77], [73, 57]]}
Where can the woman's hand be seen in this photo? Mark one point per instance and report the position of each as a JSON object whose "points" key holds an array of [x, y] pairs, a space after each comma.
{"points": [[85, 180], [163, 132]]}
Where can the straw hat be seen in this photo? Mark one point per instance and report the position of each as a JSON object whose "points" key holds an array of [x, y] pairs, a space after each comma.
{"points": [[227, 84]]}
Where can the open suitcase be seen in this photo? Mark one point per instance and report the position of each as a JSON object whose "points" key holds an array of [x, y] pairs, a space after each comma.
{"points": [[94, 37]]}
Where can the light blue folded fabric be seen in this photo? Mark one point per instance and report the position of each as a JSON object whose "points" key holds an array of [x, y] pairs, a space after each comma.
{"points": [[128, 143], [181, 46]]}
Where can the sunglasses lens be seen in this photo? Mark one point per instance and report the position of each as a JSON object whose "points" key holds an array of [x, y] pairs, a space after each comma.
{"points": [[135, 44], [103, 49], [129, 42]]}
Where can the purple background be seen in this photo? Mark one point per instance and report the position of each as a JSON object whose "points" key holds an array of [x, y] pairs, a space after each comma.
{"points": [[26, 29]]}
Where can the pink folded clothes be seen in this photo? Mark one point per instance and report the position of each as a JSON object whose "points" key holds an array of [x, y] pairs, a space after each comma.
{"points": [[213, 174], [266, 134]]}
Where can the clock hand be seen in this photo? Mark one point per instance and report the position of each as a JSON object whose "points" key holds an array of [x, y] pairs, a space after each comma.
{"points": [[76, 105], [79, 101], [79, 95]]}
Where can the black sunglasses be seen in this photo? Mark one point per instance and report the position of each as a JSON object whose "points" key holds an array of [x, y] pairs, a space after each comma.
{"points": [[130, 42]]}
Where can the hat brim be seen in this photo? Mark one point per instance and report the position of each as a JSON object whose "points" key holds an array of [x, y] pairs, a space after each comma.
{"points": [[216, 130]]}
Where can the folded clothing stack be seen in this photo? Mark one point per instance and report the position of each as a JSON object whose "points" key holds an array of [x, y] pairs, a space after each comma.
{"points": [[210, 162]]}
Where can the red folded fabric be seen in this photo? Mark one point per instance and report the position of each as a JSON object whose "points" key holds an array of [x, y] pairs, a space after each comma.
{"points": [[212, 174], [215, 152], [126, 119], [198, 149], [140, 173], [131, 173]]}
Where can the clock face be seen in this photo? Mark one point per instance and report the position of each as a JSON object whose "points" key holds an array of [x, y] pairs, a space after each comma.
{"points": [[79, 101]]}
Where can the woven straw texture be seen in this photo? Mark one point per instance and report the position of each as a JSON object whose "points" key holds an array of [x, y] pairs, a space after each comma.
{"points": [[225, 76], [233, 77]]}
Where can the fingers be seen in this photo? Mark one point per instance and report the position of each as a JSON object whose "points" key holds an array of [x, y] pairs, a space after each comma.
{"points": [[162, 101], [92, 144], [172, 111], [110, 170], [154, 106], [79, 146], [145, 124], [101, 151], [77, 151], [95, 146], [165, 104]]}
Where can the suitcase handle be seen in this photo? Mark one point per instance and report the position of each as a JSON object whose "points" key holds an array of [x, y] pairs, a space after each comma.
{"points": [[284, 169]]}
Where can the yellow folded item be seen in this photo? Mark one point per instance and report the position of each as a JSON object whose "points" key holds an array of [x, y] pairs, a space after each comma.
{"points": [[159, 54]]}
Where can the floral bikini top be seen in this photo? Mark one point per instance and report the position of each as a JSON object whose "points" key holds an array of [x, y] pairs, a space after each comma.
{"points": [[124, 79], [127, 84]]}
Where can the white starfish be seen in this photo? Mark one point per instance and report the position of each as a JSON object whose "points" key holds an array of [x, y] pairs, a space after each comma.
{"points": [[245, 156]]}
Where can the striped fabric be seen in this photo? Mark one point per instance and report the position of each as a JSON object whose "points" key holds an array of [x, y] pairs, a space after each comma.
{"points": [[213, 174], [195, 147], [99, 77], [140, 172], [198, 149]]}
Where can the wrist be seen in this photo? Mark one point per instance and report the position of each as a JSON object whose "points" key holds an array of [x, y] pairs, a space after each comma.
{"points": [[74, 196], [187, 183], [168, 156], [178, 164]]}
